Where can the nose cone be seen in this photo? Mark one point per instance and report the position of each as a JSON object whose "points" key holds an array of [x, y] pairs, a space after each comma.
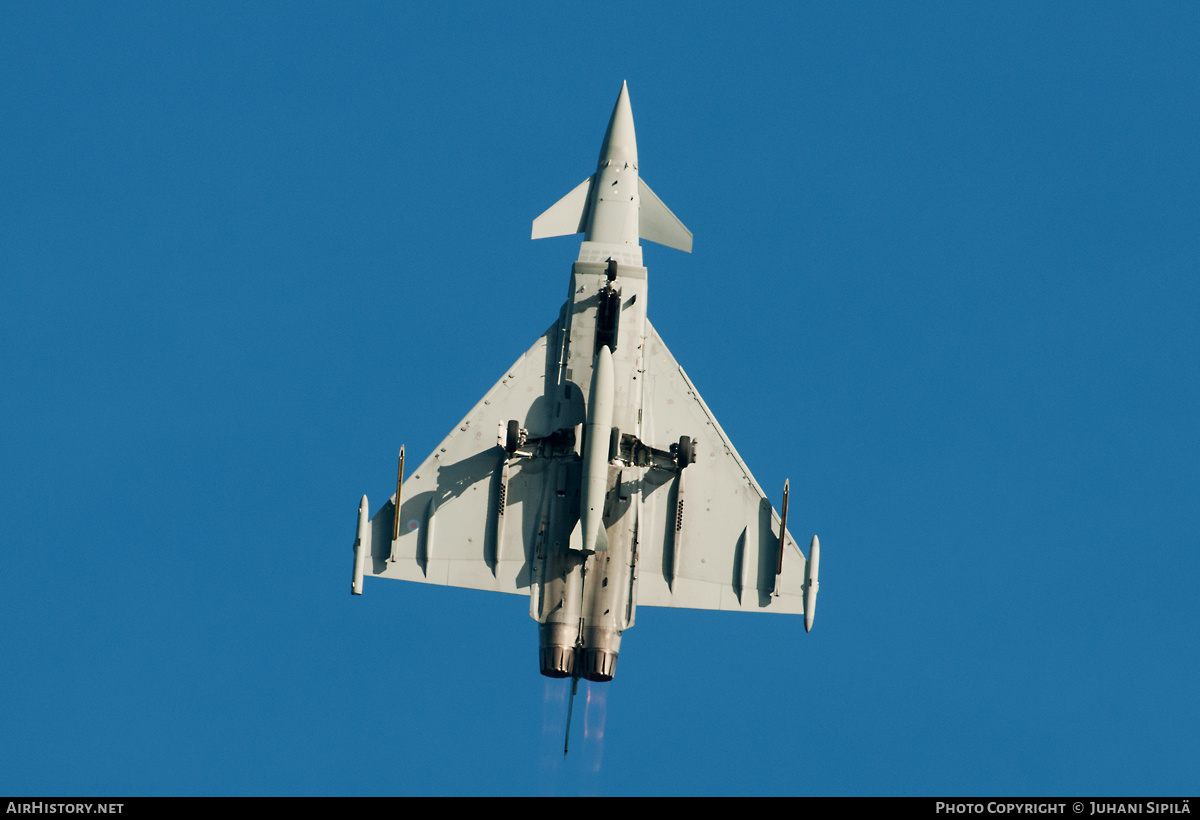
{"points": [[620, 143]]}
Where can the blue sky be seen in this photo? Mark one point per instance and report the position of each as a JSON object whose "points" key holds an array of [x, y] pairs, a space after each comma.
{"points": [[945, 280]]}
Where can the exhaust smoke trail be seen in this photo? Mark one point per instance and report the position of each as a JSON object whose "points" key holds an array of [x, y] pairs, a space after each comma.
{"points": [[554, 706], [594, 715]]}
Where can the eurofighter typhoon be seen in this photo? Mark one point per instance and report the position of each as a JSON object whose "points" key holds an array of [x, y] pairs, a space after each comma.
{"points": [[592, 477]]}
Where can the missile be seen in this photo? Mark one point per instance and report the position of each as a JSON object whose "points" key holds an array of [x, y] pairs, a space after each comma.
{"points": [[810, 583], [595, 455], [362, 547]]}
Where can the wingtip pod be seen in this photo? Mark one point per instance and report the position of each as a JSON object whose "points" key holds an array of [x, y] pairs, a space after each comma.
{"points": [[362, 546], [811, 584]]}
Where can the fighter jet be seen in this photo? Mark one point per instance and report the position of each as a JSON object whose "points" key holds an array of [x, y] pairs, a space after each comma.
{"points": [[592, 477]]}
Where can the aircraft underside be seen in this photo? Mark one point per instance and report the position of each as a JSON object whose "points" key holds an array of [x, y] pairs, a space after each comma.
{"points": [[592, 476]]}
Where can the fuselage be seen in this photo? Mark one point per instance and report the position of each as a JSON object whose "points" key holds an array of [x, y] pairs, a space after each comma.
{"points": [[602, 335]]}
